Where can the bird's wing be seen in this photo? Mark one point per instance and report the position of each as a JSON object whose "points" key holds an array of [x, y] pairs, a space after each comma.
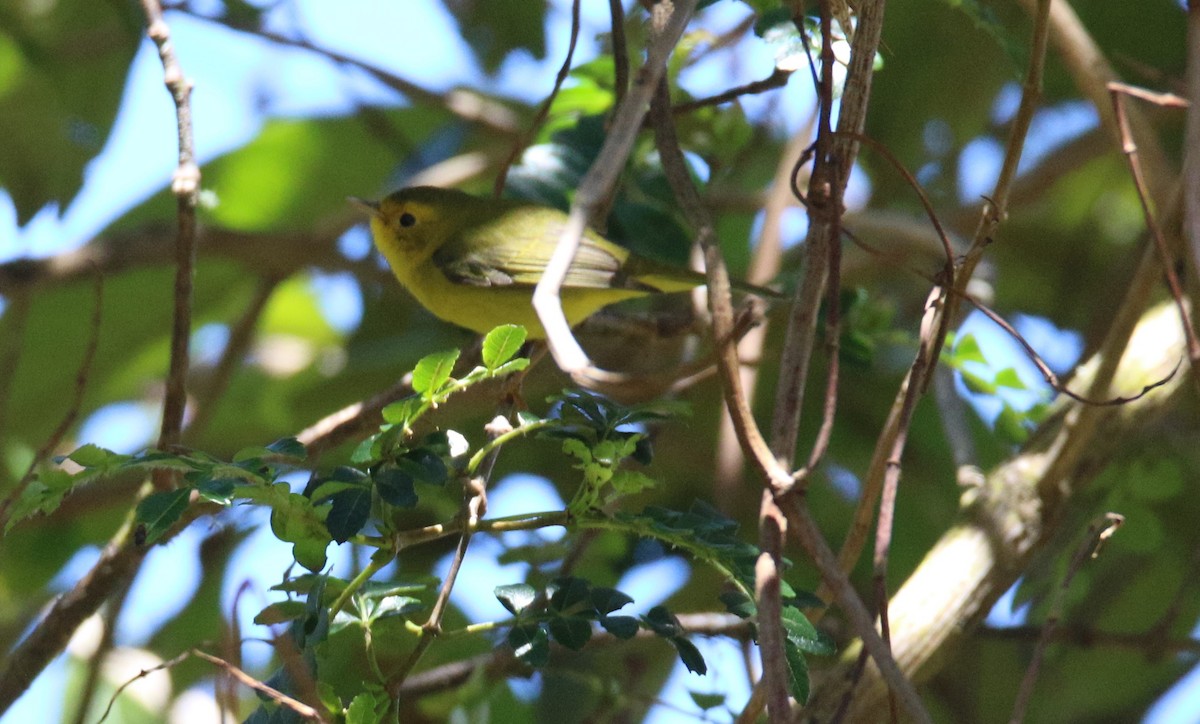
{"points": [[506, 251]]}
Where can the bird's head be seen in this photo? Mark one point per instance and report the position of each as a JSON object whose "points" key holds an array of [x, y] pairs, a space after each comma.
{"points": [[415, 221]]}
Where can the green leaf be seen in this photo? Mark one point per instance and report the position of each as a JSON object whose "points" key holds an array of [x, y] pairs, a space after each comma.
{"points": [[566, 593], [571, 631], [395, 487], [662, 622], [967, 350], [803, 635], [289, 447], [159, 511], [281, 612], [525, 417], [607, 600], [630, 482], [351, 508], [690, 655], [707, 701], [798, 668], [425, 466], [977, 384], [218, 490], [433, 371], [738, 604], [530, 644], [94, 456], [403, 412], [501, 344], [511, 366], [366, 709], [1009, 378], [623, 627], [516, 597], [310, 553], [392, 606]]}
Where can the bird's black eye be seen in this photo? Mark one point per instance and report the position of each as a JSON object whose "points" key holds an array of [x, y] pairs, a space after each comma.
{"points": [[407, 219]]}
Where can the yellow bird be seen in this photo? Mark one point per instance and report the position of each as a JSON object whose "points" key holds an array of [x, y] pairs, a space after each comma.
{"points": [[474, 261]]}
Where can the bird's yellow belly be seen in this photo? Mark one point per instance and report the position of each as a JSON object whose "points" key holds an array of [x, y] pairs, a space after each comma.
{"points": [[481, 309]]}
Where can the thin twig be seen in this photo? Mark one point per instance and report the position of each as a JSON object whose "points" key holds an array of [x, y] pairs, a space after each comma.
{"points": [[185, 185], [104, 647], [1097, 533], [768, 570], [122, 557], [1146, 643], [523, 140], [886, 443], [352, 420], [595, 186], [299, 707], [778, 79], [472, 107], [620, 53], [73, 408], [1052, 379], [1129, 148], [1191, 140], [16, 316], [473, 509], [112, 701], [241, 335], [861, 621]]}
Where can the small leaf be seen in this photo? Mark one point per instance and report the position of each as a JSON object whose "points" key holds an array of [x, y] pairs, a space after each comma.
{"points": [[511, 366], [607, 600], [707, 701], [219, 490], [280, 612], [530, 644], [310, 553], [738, 604], [289, 447], [433, 371], [364, 709], [501, 344], [565, 593], [803, 635], [252, 454], [351, 508], [967, 350], [159, 511], [92, 456], [516, 597], [662, 622], [397, 606], [571, 631], [690, 655], [623, 627], [798, 668], [424, 466], [1009, 378], [402, 412], [395, 487], [631, 482], [977, 384], [525, 417]]}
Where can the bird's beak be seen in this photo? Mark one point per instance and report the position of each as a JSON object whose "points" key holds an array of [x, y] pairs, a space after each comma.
{"points": [[371, 207]]}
